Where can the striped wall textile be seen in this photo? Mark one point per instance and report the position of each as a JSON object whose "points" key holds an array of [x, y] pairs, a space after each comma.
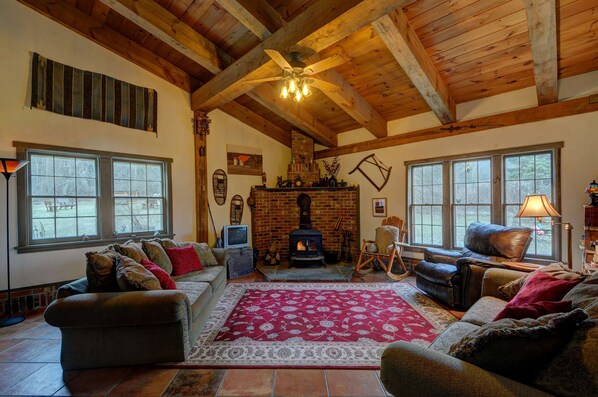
{"points": [[73, 92]]}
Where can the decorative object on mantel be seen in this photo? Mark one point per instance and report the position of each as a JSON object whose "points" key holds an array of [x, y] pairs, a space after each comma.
{"points": [[264, 179], [332, 168], [219, 186], [236, 210], [592, 190], [283, 182], [7, 168], [379, 207], [80, 93], [378, 166], [243, 160]]}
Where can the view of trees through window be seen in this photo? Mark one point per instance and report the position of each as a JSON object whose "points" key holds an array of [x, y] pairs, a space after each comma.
{"points": [[471, 196], [64, 200], [138, 197]]}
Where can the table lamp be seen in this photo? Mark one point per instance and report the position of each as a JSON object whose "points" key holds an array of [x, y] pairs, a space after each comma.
{"points": [[538, 206], [7, 168]]}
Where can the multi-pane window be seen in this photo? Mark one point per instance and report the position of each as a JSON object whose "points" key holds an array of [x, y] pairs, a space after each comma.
{"points": [[75, 197], [486, 187], [472, 195], [138, 193], [63, 196], [524, 175], [426, 204]]}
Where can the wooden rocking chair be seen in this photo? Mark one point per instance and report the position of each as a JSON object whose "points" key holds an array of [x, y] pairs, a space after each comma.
{"points": [[385, 256]]}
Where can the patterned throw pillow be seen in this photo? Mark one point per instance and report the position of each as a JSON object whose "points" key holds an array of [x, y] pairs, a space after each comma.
{"points": [[204, 252], [184, 260], [131, 249], [101, 271], [167, 243], [557, 269], [518, 348], [155, 253], [132, 276]]}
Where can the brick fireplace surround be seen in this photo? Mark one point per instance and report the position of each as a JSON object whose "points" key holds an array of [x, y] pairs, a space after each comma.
{"points": [[276, 214]]}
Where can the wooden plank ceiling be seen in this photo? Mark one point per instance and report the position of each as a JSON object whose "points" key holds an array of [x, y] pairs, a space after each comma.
{"points": [[403, 57]]}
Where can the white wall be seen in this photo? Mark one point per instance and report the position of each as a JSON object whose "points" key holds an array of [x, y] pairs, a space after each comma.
{"points": [[578, 166], [23, 31]]}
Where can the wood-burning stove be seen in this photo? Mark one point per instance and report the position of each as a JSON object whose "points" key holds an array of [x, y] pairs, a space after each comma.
{"points": [[305, 243]]}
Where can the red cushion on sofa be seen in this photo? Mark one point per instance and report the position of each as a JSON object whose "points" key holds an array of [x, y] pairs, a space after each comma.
{"points": [[166, 282], [184, 260], [542, 287], [534, 310]]}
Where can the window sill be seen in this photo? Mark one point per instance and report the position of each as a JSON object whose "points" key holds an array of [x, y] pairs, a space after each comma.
{"points": [[82, 244]]}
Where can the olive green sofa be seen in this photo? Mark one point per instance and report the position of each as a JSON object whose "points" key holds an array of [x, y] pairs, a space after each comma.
{"points": [[106, 329]]}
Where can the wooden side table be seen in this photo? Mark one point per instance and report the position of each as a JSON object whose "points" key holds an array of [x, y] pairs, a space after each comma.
{"points": [[522, 266]]}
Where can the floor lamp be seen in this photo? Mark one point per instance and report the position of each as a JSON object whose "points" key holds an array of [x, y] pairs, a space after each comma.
{"points": [[7, 168], [538, 206]]}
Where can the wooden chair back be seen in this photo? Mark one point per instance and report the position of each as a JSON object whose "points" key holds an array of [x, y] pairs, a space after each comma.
{"points": [[398, 223]]}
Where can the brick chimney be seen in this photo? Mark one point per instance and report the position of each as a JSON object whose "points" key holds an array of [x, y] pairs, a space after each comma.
{"points": [[302, 159]]}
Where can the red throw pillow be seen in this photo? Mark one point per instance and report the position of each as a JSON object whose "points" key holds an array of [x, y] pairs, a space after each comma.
{"points": [[542, 287], [534, 310], [184, 260], [166, 282]]}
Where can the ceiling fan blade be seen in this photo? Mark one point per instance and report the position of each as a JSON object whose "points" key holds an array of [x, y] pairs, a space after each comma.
{"points": [[279, 59], [263, 80], [324, 85], [324, 64]]}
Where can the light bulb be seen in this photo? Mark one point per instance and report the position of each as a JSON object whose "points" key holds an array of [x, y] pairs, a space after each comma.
{"points": [[292, 85], [305, 89], [298, 97], [284, 94]]}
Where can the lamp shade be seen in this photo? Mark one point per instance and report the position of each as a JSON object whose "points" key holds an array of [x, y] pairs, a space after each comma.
{"points": [[10, 166], [537, 206], [592, 188]]}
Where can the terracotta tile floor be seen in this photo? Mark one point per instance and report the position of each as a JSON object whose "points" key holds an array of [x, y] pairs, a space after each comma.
{"points": [[30, 366]]}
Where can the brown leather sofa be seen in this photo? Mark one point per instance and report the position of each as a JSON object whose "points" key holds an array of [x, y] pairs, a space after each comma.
{"points": [[455, 277]]}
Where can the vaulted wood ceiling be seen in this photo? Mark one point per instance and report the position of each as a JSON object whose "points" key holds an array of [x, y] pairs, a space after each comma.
{"points": [[404, 57]]}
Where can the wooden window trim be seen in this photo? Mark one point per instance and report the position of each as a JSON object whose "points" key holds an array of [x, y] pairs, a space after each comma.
{"points": [[497, 215], [105, 210]]}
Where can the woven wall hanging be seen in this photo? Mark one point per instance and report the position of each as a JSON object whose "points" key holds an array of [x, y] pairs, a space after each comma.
{"points": [[74, 92]]}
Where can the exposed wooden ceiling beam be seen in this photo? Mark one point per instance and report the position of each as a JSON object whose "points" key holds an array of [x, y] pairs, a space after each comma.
{"points": [[404, 44], [346, 97], [318, 27], [293, 112], [165, 26], [541, 22], [256, 121], [99, 11], [550, 111], [76, 20], [88, 27], [251, 13]]}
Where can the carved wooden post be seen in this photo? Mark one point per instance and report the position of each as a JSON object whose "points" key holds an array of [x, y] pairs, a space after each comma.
{"points": [[201, 130]]}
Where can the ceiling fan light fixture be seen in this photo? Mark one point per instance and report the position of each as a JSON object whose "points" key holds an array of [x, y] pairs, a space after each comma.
{"points": [[305, 90], [298, 97], [293, 85], [284, 93]]}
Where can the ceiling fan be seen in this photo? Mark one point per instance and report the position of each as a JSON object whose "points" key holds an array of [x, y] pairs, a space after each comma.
{"points": [[295, 74]]}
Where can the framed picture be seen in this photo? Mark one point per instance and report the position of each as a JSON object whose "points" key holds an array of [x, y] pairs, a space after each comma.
{"points": [[379, 207], [243, 160]]}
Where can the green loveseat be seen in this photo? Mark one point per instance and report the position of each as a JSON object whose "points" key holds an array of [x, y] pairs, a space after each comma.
{"points": [[105, 329], [412, 370]]}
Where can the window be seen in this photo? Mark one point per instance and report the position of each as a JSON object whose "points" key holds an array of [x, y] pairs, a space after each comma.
{"points": [[76, 197], [426, 208], [446, 195]]}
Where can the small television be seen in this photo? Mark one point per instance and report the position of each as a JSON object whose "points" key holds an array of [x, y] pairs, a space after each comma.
{"points": [[235, 236]]}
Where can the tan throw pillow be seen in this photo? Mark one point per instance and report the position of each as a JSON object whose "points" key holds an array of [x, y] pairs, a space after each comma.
{"points": [[557, 269], [131, 249], [101, 271], [167, 243], [385, 236], [132, 276], [156, 254], [518, 348], [204, 253]]}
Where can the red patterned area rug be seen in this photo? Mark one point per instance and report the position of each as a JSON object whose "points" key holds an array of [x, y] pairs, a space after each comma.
{"points": [[314, 325]]}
